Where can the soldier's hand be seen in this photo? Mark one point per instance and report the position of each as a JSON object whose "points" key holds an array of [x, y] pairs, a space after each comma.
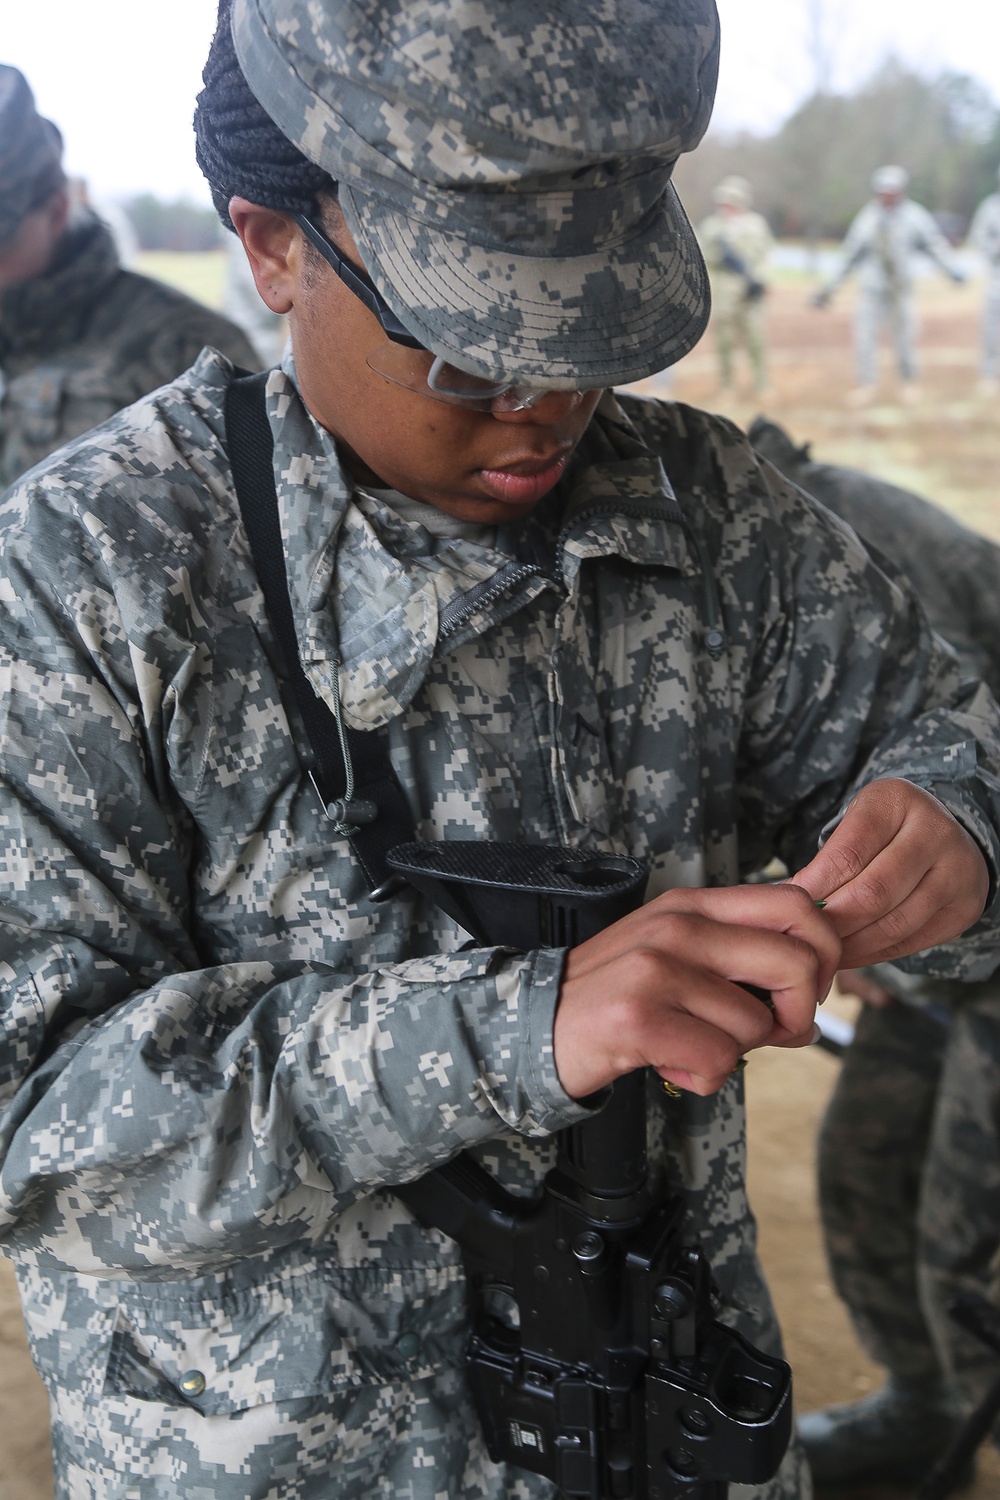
{"points": [[898, 874], [663, 987]]}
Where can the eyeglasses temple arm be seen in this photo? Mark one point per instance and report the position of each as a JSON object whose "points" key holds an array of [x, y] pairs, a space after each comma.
{"points": [[358, 282]]}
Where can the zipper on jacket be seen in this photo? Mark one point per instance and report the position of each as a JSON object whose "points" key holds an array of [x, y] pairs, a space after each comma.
{"points": [[482, 595]]}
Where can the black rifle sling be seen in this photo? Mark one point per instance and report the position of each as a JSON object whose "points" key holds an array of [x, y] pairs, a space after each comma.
{"points": [[250, 446]]}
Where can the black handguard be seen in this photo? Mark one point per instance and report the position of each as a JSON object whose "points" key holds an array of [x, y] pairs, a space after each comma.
{"points": [[595, 1358]]}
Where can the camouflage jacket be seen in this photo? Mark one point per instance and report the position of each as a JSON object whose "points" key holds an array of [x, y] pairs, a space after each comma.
{"points": [[217, 1056], [748, 238], [87, 339], [882, 246]]}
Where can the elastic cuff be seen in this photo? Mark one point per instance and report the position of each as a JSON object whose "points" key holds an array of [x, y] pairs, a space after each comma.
{"points": [[552, 1107]]}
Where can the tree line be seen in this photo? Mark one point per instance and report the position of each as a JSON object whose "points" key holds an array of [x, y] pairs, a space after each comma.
{"points": [[179, 224], [812, 175]]}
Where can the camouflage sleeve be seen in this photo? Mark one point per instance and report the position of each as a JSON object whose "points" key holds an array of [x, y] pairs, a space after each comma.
{"points": [[856, 246], [159, 1115], [931, 240], [851, 684]]}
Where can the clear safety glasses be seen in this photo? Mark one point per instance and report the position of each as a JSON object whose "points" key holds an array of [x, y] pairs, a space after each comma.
{"points": [[403, 360]]}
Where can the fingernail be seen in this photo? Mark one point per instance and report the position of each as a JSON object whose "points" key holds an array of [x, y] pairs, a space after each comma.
{"points": [[817, 1033]]}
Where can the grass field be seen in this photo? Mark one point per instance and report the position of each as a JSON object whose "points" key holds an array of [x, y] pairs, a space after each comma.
{"points": [[199, 273]]}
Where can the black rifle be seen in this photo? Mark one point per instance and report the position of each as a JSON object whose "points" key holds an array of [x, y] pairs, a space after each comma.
{"points": [[732, 261], [596, 1358]]}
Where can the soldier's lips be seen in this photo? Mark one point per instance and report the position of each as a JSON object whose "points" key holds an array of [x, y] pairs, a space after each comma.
{"points": [[524, 482]]}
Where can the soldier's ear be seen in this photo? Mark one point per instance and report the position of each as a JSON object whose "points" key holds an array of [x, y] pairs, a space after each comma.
{"points": [[274, 249]]}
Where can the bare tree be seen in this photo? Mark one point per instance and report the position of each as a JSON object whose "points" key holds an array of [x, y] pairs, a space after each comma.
{"points": [[819, 27]]}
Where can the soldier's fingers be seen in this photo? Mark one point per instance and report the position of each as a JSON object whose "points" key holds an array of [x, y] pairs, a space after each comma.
{"points": [[745, 981], [879, 889], [696, 1056], [871, 822], [673, 923], [934, 912], [930, 877]]}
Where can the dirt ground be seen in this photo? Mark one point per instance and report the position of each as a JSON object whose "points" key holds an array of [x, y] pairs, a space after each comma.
{"points": [[947, 446]]}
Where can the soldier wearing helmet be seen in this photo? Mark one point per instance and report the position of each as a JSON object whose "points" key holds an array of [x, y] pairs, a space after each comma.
{"points": [[736, 244], [882, 246]]}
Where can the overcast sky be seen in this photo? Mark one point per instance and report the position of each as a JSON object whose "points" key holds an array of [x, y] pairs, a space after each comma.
{"points": [[120, 76]]}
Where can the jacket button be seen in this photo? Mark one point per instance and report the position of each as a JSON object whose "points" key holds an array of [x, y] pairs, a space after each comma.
{"points": [[408, 1346], [192, 1383]]}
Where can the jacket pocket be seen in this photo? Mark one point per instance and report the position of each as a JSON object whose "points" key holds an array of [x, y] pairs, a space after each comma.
{"points": [[221, 1349]]}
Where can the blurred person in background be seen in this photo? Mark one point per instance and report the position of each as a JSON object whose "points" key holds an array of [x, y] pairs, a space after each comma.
{"points": [[736, 244], [909, 1156], [79, 336], [882, 245], [984, 237]]}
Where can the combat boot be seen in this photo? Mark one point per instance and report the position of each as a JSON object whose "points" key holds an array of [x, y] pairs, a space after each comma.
{"points": [[893, 1436]]}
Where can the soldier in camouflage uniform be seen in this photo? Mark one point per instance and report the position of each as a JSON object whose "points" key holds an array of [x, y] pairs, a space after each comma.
{"points": [[882, 245], [909, 1166], [984, 236], [79, 337], [736, 244], [576, 619]]}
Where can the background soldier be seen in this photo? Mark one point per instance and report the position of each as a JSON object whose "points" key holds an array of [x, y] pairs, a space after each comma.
{"points": [[79, 336], [984, 236], [882, 245], [736, 244], [909, 1165]]}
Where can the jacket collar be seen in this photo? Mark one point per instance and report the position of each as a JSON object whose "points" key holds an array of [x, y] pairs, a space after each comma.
{"points": [[619, 499], [373, 602]]}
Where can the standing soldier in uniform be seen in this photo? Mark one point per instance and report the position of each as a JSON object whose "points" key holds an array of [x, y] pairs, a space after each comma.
{"points": [[565, 618], [79, 337], [736, 244], [909, 1160], [984, 236], [882, 245]]}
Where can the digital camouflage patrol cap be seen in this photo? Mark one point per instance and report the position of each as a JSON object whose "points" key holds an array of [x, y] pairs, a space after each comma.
{"points": [[30, 153], [505, 168]]}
